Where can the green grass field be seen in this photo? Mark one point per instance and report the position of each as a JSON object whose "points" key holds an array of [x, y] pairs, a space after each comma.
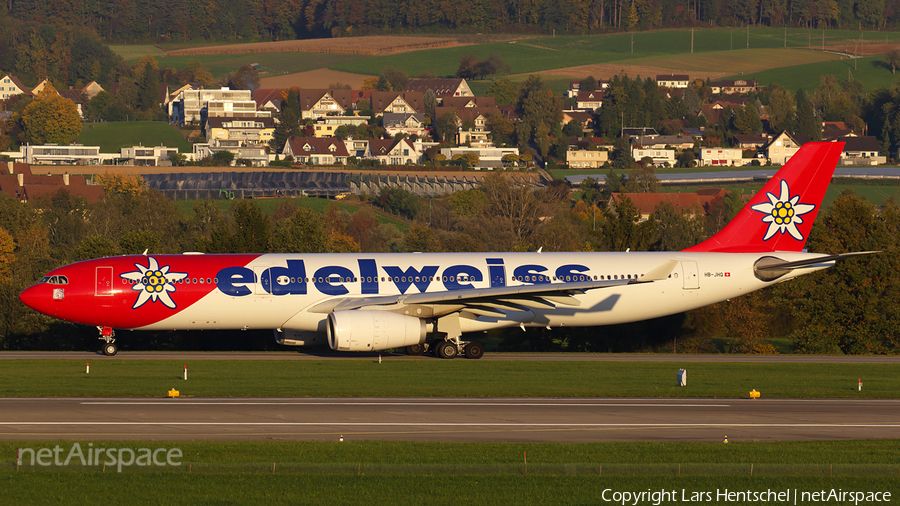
{"points": [[302, 472], [271, 64], [869, 71], [431, 377], [113, 136]]}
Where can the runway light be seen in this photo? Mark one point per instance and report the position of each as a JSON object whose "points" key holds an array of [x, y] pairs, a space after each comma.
{"points": [[725, 440], [341, 439], [87, 368], [860, 384], [185, 373], [379, 358]]}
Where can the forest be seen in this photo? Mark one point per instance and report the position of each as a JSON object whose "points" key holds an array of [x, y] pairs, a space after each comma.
{"points": [[849, 309], [256, 20]]}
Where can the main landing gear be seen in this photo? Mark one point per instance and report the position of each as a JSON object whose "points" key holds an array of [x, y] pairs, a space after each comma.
{"points": [[108, 336], [448, 348]]}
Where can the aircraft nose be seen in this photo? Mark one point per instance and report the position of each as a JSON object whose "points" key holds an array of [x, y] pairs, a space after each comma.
{"points": [[37, 297]]}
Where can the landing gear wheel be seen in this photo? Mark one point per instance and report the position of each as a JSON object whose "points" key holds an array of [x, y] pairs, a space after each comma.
{"points": [[474, 350], [446, 349], [110, 349], [415, 349]]}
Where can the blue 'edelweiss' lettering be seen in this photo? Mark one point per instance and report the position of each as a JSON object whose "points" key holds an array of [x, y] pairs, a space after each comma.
{"points": [[330, 280]]}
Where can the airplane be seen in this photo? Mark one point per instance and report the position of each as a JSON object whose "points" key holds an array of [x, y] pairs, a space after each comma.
{"points": [[427, 301]]}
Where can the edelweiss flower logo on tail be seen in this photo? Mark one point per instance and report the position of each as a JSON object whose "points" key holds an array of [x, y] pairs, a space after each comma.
{"points": [[783, 213], [153, 282]]}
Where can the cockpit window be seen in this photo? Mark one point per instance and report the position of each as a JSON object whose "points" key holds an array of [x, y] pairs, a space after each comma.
{"points": [[56, 280]]}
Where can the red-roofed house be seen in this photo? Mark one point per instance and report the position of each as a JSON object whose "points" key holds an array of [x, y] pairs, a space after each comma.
{"points": [[589, 100], [317, 150], [18, 182], [393, 151], [396, 102], [452, 87], [699, 203]]}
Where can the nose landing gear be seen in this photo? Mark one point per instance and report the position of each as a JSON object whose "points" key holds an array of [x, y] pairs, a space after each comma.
{"points": [[108, 336]]}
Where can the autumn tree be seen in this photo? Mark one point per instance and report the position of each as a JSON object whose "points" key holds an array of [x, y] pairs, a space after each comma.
{"points": [[51, 119], [504, 91], [244, 78], [7, 248], [121, 183], [539, 112]]}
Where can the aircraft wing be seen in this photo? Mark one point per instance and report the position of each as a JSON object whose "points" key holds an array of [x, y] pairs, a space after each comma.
{"points": [[488, 301]]}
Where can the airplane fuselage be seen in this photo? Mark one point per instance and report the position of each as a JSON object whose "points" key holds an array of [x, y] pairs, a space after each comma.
{"points": [[291, 291]]}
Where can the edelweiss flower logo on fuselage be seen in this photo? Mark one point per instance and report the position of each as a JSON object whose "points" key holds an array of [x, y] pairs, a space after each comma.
{"points": [[783, 213], [154, 283]]}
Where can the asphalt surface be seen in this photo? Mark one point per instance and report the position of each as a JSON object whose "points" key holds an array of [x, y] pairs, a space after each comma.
{"points": [[565, 357], [421, 419]]}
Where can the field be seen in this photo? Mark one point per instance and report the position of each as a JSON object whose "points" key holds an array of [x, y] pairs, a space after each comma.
{"points": [[432, 377], [113, 136], [794, 57]]}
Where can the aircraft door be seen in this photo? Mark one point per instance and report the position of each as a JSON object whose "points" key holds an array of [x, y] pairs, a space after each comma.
{"points": [[263, 284], [104, 282], [691, 275]]}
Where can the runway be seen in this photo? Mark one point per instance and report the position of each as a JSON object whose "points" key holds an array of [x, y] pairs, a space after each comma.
{"points": [[552, 357], [460, 420]]}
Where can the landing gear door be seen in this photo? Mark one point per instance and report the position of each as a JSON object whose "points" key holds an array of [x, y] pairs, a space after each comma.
{"points": [[104, 282], [691, 275]]}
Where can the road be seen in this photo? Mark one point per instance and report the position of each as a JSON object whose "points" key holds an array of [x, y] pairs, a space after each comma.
{"points": [[428, 419], [574, 357]]}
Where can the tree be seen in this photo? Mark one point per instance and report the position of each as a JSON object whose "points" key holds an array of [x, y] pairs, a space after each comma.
{"points": [[288, 120], [121, 183], [588, 84], [467, 66], [430, 102], [892, 60], [747, 119], [244, 78], [504, 91], [148, 88], [51, 118], [782, 109], [806, 117], [7, 248], [539, 112], [396, 78], [446, 126], [303, 232], [223, 158]]}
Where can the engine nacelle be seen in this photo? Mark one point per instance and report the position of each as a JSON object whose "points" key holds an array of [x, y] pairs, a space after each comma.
{"points": [[373, 330], [299, 338]]}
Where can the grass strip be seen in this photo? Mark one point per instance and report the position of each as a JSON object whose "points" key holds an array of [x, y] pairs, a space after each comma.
{"points": [[464, 473], [431, 377]]}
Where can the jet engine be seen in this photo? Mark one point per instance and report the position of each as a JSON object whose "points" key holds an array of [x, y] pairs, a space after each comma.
{"points": [[373, 330]]}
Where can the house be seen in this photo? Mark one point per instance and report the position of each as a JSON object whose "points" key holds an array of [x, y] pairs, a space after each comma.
{"points": [[835, 130], [393, 151], [639, 132], [147, 156], [54, 154], [861, 151], [697, 204], [256, 154], [196, 105], [663, 141], [584, 118], [722, 157], [397, 102], [91, 90], [590, 100], [586, 159], [249, 131], [734, 86], [315, 104], [442, 88], [488, 156], [781, 148], [317, 151], [10, 86], [326, 126], [473, 123], [409, 123], [463, 102], [673, 81], [748, 141], [18, 182], [268, 99], [575, 87], [660, 157]]}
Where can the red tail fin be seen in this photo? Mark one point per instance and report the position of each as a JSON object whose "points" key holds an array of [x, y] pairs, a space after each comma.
{"points": [[780, 216]]}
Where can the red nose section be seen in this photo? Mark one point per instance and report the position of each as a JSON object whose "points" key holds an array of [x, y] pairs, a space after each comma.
{"points": [[41, 298]]}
